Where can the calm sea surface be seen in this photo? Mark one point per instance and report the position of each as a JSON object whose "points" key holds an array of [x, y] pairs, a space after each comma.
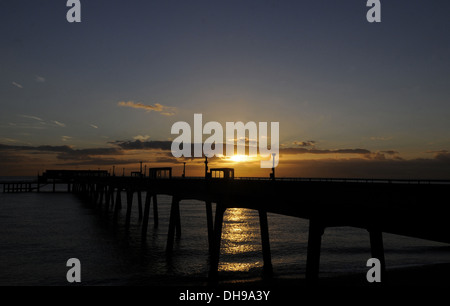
{"points": [[40, 232]]}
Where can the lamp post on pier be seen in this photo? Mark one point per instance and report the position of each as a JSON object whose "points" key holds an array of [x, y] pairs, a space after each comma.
{"points": [[272, 175]]}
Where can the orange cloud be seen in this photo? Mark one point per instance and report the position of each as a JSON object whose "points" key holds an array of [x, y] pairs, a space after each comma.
{"points": [[164, 110]]}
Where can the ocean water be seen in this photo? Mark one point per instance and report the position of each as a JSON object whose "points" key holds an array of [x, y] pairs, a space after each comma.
{"points": [[40, 232]]}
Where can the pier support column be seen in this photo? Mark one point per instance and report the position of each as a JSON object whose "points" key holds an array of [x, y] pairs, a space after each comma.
{"points": [[265, 242], [155, 211], [97, 191], [118, 205], [90, 193], [316, 230], [215, 254], [107, 196], [129, 206], [178, 220], [377, 249], [139, 196], [112, 196], [209, 220], [174, 223], [148, 198], [102, 195]]}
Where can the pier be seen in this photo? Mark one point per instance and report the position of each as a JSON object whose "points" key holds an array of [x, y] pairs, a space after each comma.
{"points": [[19, 186], [414, 208]]}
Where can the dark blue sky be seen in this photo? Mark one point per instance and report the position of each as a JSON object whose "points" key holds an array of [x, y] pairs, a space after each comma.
{"points": [[317, 67]]}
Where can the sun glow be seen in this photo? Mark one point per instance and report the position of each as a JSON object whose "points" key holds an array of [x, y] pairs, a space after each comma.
{"points": [[239, 158]]}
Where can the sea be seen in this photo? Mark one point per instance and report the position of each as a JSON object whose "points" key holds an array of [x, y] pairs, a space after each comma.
{"points": [[40, 232]]}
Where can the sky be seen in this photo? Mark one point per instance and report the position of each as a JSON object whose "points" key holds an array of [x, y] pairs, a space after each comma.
{"points": [[353, 98]]}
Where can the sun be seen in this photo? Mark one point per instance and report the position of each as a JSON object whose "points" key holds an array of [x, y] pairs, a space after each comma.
{"points": [[239, 158]]}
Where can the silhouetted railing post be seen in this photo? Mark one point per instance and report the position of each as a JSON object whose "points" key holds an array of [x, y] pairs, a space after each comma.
{"points": [[207, 175]]}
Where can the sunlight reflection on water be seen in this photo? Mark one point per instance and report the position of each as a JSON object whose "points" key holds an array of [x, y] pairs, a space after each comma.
{"points": [[240, 237]]}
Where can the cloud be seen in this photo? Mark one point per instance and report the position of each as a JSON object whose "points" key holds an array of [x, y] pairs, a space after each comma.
{"points": [[88, 154], [40, 79], [157, 107], [28, 159], [43, 148], [390, 152], [99, 161], [309, 143], [66, 138], [37, 123], [143, 145], [141, 137], [420, 168], [164, 110], [93, 126], [380, 138], [384, 155], [31, 117], [439, 152], [364, 153], [140, 144], [381, 164], [10, 140], [59, 123], [64, 152], [17, 85], [443, 155], [318, 151]]}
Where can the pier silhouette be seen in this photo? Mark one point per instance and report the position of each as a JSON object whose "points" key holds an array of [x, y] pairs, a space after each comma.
{"points": [[414, 208]]}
